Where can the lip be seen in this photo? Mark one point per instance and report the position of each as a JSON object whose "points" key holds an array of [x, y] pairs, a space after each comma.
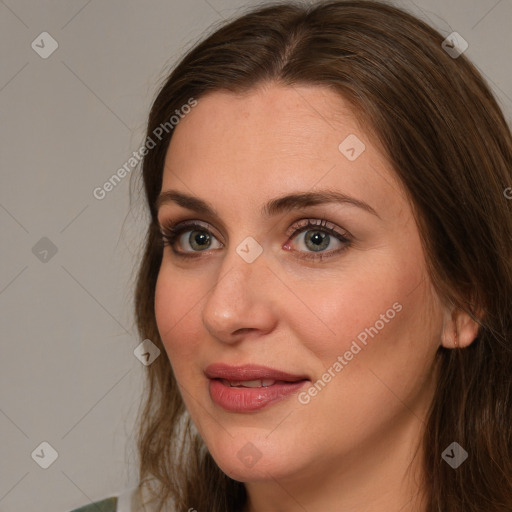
{"points": [[249, 372], [240, 399]]}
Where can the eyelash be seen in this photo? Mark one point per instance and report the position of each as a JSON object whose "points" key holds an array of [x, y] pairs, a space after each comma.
{"points": [[171, 232]]}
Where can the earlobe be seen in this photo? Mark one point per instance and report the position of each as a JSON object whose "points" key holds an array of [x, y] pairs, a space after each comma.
{"points": [[467, 329], [459, 329]]}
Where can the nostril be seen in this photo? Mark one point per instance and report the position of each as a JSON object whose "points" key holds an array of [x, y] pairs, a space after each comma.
{"points": [[243, 330]]}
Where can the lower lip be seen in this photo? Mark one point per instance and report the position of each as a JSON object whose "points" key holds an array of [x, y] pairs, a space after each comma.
{"points": [[239, 399]]}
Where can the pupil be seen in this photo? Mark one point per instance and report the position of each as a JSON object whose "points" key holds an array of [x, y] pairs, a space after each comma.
{"points": [[318, 239], [200, 239]]}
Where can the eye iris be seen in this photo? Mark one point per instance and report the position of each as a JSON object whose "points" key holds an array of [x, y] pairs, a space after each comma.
{"points": [[318, 240], [200, 238]]}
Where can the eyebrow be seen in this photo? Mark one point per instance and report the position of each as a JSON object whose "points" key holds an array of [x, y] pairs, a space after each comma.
{"points": [[271, 208]]}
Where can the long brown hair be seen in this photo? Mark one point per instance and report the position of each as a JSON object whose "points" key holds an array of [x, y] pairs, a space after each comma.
{"points": [[443, 132]]}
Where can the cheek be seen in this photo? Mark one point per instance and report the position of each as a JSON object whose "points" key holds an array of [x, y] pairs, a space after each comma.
{"points": [[378, 318], [384, 359], [362, 305], [386, 334], [175, 307]]}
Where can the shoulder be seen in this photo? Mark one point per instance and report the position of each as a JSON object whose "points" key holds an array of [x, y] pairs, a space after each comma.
{"points": [[105, 505]]}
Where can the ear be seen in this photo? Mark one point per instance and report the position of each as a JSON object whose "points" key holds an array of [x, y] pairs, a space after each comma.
{"points": [[459, 329]]}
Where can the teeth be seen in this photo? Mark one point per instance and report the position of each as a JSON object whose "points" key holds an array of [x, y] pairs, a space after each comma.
{"points": [[250, 383]]}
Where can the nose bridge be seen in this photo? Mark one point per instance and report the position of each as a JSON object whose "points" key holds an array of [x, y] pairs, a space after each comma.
{"points": [[237, 299]]}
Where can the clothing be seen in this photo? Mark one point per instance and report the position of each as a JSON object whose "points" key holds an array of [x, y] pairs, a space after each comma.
{"points": [[106, 505], [127, 501]]}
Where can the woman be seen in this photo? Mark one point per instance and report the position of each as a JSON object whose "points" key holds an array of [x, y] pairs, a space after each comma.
{"points": [[327, 271]]}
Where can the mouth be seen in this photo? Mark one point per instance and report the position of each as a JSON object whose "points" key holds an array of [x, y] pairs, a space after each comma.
{"points": [[250, 387]]}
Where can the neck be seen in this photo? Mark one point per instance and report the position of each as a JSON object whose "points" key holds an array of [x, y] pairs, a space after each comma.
{"points": [[385, 475]]}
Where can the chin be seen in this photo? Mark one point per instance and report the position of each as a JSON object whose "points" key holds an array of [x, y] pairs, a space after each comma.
{"points": [[258, 473], [253, 458]]}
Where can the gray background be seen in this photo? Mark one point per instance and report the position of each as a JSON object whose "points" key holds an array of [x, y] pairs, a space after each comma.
{"points": [[68, 375]]}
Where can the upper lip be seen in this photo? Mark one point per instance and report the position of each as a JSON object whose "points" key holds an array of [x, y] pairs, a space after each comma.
{"points": [[249, 372]]}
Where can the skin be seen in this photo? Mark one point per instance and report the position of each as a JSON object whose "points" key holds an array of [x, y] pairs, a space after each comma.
{"points": [[351, 447]]}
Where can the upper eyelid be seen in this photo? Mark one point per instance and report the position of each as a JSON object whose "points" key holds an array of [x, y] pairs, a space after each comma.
{"points": [[190, 225], [309, 222], [313, 210], [297, 227]]}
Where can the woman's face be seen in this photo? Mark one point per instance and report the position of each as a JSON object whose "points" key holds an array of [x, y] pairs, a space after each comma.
{"points": [[346, 305]]}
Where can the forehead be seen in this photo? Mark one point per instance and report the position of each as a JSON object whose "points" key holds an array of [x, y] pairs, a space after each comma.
{"points": [[269, 120], [276, 140]]}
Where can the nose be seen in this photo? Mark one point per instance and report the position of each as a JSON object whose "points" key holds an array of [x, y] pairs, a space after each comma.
{"points": [[241, 299]]}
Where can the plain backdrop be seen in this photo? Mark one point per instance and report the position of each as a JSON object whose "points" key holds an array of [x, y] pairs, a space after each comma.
{"points": [[69, 120]]}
